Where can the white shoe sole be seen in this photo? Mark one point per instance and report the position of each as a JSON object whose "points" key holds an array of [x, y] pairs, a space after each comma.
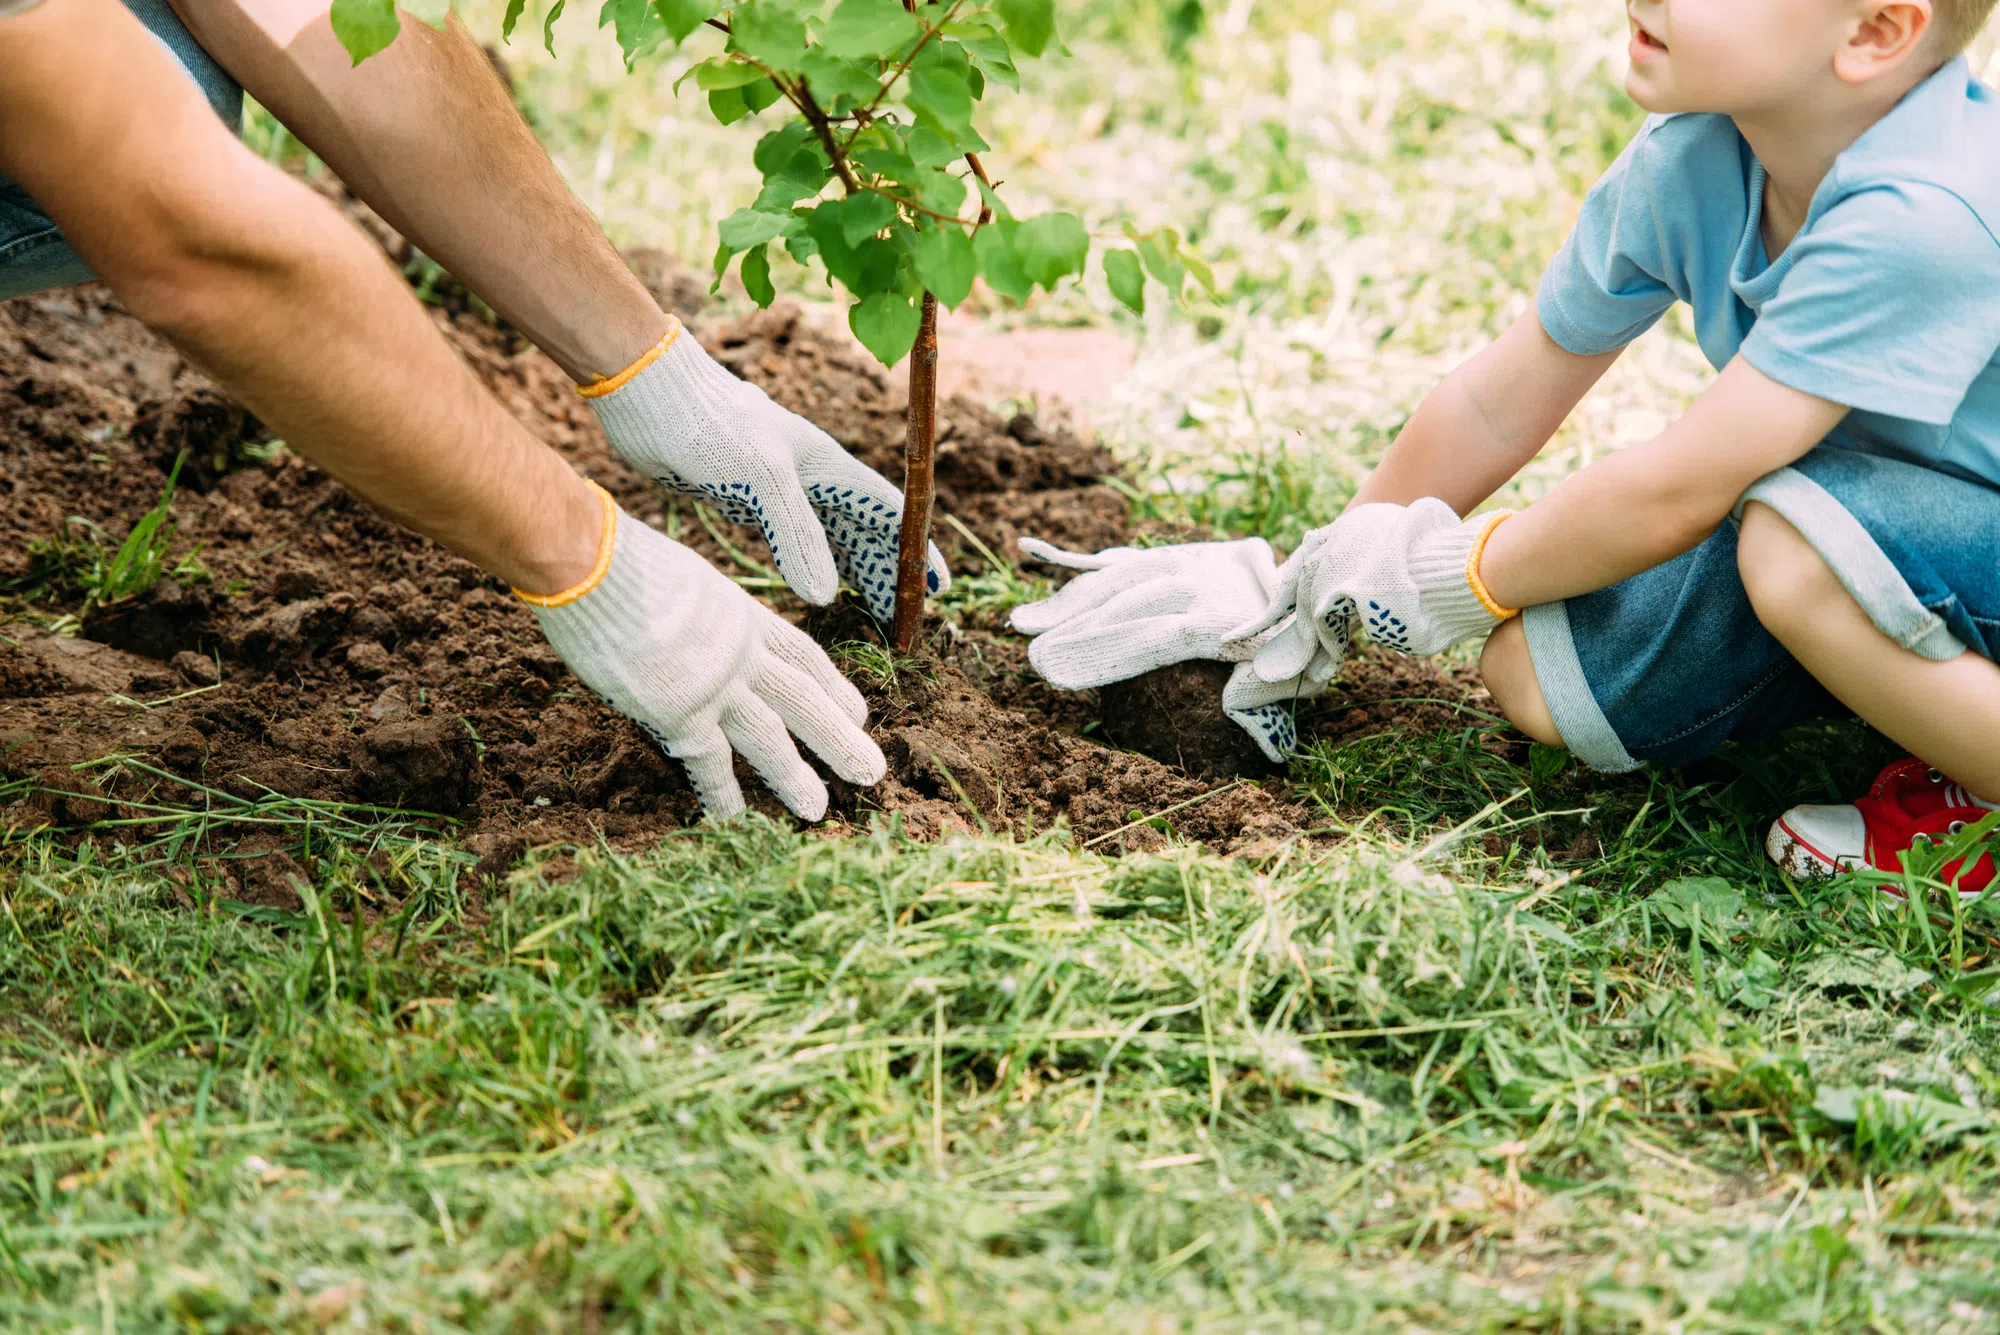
{"points": [[1796, 857]]}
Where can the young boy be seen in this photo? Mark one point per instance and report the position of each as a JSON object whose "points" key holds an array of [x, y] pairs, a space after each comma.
{"points": [[1821, 183]]}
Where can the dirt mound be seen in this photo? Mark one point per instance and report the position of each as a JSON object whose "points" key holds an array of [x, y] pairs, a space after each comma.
{"points": [[320, 651]]}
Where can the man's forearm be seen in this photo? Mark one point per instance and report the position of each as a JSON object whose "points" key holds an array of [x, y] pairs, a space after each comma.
{"points": [[426, 134], [260, 282]]}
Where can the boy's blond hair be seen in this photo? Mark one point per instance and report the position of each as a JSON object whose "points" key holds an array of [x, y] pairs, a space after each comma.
{"points": [[1958, 22]]}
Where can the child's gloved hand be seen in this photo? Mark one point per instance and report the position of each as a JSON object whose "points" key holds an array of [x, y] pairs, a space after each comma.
{"points": [[708, 671], [678, 416], [1143, 608], [1406, 575]]}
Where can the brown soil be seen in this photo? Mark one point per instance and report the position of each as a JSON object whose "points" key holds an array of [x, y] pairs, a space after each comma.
{"points": [[329, 654]]}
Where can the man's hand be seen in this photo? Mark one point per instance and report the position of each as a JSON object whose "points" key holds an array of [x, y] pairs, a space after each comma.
{"points": [[1141, 609], [679, 417], [707, 670]]}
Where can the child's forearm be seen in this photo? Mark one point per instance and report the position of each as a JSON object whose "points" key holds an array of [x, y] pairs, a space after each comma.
{"points": [[1485, 420], [1647, 504]]}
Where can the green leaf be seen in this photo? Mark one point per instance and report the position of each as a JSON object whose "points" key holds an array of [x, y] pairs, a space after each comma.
{"points": [[886, 323], [1197, 266], [549, 25], [722, 254], [1031, 24], [1127, 278], [720, 72], [944, 263], [364, 26], [998, 264], [941, 191], [989, 51], [928, 148], [746, 228], [682, 17], [1051, 248], [515, 8], [757, 277], [1868, 967], [942, 99], [727, 105], [775, 150], [1161, 252], [863, 215], [844, 263], [870, 30], [757, 96], [636, 25], [769, 32], [840, 85]]}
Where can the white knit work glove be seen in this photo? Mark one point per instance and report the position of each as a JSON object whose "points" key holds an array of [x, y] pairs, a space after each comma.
{"points": [[1143, 608], [1407, 575], [704, 668], [678, 416]]}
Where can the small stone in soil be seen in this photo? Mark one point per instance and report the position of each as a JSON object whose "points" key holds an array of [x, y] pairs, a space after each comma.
{"points": [[196, 669]]}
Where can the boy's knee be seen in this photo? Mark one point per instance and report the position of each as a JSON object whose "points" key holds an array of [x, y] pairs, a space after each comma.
{"points": [[1783, 575], [1509, 673]]}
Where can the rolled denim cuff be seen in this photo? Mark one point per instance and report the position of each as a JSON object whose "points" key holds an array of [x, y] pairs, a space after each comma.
{"points": [[1862, 567], [1566, 691]]}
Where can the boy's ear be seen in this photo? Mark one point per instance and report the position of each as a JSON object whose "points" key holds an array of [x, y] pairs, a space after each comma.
{"points": [[1886, 33]]}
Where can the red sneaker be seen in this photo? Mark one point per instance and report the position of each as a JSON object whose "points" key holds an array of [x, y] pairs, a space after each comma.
{"points": [[1909, 803]]}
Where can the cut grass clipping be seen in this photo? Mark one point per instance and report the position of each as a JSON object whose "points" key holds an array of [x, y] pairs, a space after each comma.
{"points": [[762, 1081]]}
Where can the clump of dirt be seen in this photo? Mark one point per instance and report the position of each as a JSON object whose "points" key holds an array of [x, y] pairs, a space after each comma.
{"points": [[329, 654], [1170, 713]]}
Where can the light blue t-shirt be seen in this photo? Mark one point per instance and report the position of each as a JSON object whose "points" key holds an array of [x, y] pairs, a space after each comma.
{"points": [[1887, 301]]}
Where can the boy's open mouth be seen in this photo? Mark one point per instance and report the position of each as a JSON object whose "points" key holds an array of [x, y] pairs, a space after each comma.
{"points": [[1646, 39]]}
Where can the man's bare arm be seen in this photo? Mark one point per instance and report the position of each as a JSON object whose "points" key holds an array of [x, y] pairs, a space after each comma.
{"points": [[1647, 504], [266, 287], [1485, 420], [426, 134]]}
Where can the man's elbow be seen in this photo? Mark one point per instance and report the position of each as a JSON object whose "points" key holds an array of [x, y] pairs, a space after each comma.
{"points": [[195, 265]]}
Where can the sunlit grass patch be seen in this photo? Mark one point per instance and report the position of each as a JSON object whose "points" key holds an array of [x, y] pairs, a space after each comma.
{"points": [[763, 1081]]}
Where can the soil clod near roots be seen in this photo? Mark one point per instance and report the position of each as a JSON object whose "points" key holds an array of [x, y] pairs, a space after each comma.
{"points": [[314, 649]]}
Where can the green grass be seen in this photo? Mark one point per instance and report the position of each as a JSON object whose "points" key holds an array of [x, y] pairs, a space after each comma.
{"points": [[1512, 1048], [83, 565], [762, 1081]]}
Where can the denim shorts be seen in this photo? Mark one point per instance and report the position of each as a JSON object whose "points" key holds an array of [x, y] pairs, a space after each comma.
{"points": [[34, 254], [1666, 666]]}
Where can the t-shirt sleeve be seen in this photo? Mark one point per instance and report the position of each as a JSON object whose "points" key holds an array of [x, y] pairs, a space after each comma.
{"points": [[1890, 305], [1608, 285]]}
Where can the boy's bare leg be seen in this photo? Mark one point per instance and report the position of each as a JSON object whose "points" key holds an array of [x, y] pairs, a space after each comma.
{"points": [[425, 133], [1509, 674], [1947, 714]]}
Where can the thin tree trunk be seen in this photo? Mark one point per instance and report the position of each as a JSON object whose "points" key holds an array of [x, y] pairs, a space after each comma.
{"points": [[919, 477]]}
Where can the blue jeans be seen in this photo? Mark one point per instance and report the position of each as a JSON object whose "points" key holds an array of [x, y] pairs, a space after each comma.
{"points": [[1666, 666], [34, 254]]}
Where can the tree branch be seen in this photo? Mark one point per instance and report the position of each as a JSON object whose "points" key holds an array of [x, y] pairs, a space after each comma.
{"points": [[823, 129]]}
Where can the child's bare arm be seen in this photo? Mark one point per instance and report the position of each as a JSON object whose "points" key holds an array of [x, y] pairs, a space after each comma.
{"points": [[1485, 420], [1647, 504]]}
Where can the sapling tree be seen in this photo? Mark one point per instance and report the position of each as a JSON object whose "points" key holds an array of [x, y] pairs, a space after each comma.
{"points": [[874, 171]]}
